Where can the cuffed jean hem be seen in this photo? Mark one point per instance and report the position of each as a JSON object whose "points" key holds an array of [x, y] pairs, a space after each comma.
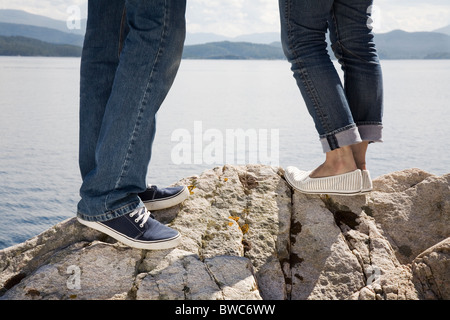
{"points": [[371, 132], [112, 214], [340, 138]]}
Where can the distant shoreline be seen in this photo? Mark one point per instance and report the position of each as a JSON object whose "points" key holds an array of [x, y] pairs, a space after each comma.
{"points": [[224, 50], [18, 40], [26, 34], [225, 59]]}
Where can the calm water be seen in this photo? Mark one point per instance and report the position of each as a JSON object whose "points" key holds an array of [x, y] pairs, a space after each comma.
{"points": [[39, 177]]}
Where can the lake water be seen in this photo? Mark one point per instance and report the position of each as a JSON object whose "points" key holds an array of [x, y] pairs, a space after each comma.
{"points": [[39, 177]]}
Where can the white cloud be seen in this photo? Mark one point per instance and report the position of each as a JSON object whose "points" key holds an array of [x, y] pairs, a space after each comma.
{"points": [[413, 15], [56, 9], [232, 18], [237, 17]]}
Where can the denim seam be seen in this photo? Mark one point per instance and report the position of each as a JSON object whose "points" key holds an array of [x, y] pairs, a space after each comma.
{"points": [[336, 31], [125, 209], [304, 75], [332, 142], [368, 123], [338, 43], [122, 30], [348, 127]]}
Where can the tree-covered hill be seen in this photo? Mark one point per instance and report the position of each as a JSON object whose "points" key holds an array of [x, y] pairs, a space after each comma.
{"points": [[22, 46]]}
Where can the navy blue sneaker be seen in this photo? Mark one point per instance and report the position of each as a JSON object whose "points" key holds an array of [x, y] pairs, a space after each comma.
{"points": [[156, 198], [138, 230]]}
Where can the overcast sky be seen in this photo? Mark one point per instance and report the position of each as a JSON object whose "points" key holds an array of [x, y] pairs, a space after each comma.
{"points": [[237, 17]]}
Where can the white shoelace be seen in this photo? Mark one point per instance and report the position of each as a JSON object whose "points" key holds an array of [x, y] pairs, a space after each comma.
{"points": [[142, 215]]}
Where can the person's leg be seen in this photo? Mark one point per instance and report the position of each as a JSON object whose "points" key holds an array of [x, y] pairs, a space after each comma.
{"points": [[99, 61], [304, 25], [336, 162], [353, 45], [147, 66], [359, 151]]}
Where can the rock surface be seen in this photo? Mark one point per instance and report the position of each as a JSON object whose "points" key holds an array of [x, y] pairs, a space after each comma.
{"points": [[247, 235]]}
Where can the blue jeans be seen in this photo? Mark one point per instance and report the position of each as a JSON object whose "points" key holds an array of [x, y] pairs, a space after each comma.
{"points": [[131, 54], [343, 114]]}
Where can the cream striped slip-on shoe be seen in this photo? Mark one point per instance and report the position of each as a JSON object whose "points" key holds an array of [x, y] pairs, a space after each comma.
{"points": [[366, 181], [344, 184]]}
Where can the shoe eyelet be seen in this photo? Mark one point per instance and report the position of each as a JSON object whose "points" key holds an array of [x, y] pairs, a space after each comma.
{"points": [[141, 225], [136, 220]]}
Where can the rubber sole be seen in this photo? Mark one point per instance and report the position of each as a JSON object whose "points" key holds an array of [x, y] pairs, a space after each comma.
{"points": [[154, 205], [138, 244]]}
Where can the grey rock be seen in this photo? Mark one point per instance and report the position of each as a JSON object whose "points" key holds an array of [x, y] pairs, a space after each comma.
{"points": [[247, 235], [431, 271], [416, 216]]}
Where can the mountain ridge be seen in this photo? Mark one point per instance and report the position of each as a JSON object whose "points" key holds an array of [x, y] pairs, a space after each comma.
{"points": [[30, 19], [444, 30], [22, 46], [40, 33], [396, 44]]}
